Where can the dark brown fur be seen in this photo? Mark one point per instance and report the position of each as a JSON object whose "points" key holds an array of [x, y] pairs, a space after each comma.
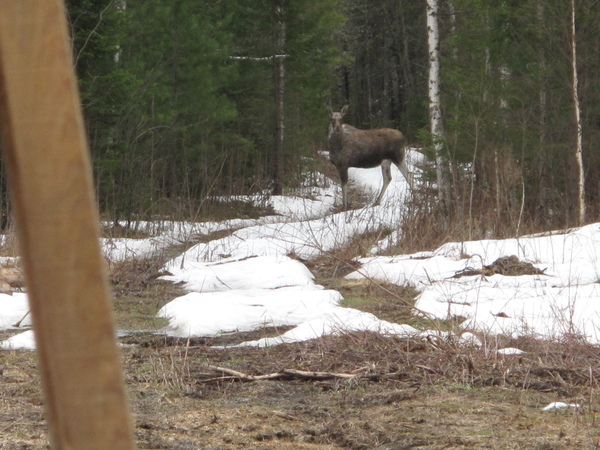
{"points": [[351, 147]]}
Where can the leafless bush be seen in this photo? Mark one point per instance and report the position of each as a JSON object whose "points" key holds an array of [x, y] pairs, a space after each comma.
{"points": [[492, 204], [171, 367]]}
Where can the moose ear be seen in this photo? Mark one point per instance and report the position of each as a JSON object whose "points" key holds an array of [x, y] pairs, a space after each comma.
{"points": [[343, 111]]}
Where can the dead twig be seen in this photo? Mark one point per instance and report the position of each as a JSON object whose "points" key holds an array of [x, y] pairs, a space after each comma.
{"points": [[427, 369], [235, 375], [284, 415], [10, 425], [285, 374], [319, 375]]}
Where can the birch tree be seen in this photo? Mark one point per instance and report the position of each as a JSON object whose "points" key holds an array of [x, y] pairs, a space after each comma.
{"points": [[576, 107], [435, 110]]}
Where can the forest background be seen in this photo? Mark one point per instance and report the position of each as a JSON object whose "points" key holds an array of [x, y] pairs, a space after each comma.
{"points": [[185, 100]]}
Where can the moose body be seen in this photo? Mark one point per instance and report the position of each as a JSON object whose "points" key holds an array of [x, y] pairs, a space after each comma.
{"points": [[351, 147]]}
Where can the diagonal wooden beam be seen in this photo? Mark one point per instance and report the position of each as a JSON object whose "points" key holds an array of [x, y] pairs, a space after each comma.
{"points": [[51, 186]]}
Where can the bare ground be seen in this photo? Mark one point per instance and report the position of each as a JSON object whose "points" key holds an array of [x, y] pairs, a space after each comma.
{"points": [[375, 393]]}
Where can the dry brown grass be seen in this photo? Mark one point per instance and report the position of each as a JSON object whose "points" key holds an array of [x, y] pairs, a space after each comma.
{"points": [[412, 393], [139, 294], [455, 398]]}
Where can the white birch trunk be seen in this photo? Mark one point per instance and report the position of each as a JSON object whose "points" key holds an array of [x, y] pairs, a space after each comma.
{"points": [[579, 148], [435, 111]]}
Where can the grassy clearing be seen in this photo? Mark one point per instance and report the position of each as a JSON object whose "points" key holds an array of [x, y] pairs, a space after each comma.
{"points": [[460, 398], [405, 393]]}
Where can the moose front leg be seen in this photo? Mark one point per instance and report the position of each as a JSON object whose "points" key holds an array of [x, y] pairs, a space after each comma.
{"points": [[343, 172]]}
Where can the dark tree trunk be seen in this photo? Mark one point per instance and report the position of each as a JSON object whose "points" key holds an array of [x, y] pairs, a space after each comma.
{"points": [[279, 102]]}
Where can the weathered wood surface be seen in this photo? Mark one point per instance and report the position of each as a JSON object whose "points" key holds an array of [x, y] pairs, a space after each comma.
{"points": [[57, 223]]}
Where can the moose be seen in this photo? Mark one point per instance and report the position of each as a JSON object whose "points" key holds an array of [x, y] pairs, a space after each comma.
{"points": [[351, 147]]}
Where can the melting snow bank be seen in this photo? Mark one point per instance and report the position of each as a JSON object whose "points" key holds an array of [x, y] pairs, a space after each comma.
{"points": [[563, 300], [306, 239], [263, 291], [245, 281], [315, 312], [21, 341], [269, 291], [206, 314], [267, 272], [13, 309], [163, 234], [310, 203]]}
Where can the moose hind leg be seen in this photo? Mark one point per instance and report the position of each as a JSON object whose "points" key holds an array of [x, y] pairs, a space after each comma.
{"points": [[387, 178], [403, 167]]}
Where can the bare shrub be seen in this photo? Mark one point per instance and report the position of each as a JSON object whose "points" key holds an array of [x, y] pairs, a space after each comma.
{"points": [[171, 367], [489, 203]]}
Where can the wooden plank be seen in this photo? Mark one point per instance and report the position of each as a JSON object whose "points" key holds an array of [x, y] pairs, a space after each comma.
{"points": [[51, 185]]}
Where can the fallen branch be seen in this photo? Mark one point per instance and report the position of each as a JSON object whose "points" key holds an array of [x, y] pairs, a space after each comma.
{"points": [[235, 375], [318, 375], [285, 374]]}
